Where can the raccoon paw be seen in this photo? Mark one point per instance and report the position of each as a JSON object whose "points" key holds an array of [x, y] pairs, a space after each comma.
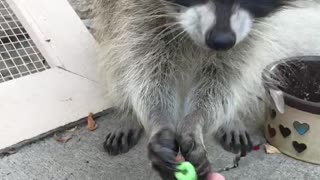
{"points": [[234, 139], [194, 151], [122, 140], [162, 151]]}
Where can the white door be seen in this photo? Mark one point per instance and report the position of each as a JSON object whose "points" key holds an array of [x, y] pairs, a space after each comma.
{"points": [[47, 69]]}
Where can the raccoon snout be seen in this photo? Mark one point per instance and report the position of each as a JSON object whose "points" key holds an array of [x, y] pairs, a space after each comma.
{"points": [[220, 41]]}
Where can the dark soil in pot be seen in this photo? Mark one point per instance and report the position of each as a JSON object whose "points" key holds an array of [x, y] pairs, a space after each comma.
{"points": [[300, 79]]}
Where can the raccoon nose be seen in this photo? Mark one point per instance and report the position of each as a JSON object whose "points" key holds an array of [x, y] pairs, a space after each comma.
{"points": [[221, 41]]}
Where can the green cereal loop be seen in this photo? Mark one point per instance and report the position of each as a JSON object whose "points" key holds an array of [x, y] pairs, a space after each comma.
{"points": [[186, 172]]}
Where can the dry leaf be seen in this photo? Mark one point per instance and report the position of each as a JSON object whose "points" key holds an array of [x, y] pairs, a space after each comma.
{"points": [[271, 149], [91, 124], [10, 151], [72, 130], [62, 139]]}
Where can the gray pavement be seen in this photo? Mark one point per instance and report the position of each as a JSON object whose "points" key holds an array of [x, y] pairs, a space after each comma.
{"points": [[82, 158]]}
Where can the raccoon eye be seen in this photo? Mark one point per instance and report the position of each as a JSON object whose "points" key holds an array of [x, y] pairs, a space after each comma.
{"points": [[189, 3], [261, 8]]}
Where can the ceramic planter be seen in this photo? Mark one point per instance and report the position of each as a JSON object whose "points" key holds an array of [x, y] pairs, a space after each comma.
{"points": [[293, 120]]}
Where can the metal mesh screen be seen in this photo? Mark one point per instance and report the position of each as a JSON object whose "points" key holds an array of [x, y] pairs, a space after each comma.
{"points": [[19, 56]]}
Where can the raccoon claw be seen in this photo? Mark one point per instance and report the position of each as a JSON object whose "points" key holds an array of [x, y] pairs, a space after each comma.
{"points": [[162, 151], [235, 141], [121, 140], [195, 153]]}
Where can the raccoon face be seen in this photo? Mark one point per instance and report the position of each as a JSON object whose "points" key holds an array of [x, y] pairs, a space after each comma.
{"points": [[221, 24]]}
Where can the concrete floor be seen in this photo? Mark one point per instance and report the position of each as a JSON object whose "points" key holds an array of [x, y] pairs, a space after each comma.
{"points": [[82, 158]]}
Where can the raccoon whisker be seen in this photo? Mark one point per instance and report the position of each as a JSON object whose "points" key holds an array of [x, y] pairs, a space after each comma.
{"points": [[174, 4], [166, 26], [166, 30], [261, 35], [152, 17], [175, 37], [154, 11], [184, 36], [267, 39], [261, 23], [169, 32]]}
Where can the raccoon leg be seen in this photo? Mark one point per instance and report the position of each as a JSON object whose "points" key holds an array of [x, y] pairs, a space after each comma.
{"points": [[191, 129], [154, 100], [162, 146], [190, 139], [207, 107], [235, 109], [125, 136], [157, 120]]}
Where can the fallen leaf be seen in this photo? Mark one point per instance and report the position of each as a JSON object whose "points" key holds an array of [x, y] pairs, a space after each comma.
{"points": [[10, 151], [62, 139], [271, 149], [91, 124], [13, 151], [72, 130]]}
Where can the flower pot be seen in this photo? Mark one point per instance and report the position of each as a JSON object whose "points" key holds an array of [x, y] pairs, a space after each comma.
{"points": [[293, 118]]}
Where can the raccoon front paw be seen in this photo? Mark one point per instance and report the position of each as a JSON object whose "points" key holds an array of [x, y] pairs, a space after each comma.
{"points": [[194, 151], [234, 139], [162, 151], [122, 140]]}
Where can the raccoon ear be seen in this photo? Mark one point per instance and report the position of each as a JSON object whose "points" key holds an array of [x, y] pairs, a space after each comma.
{"points": [[263, 8]]}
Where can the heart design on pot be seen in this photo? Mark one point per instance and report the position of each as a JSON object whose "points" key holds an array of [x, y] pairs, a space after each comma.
{"points": [[299, 147], [272, 131], [273, 114], [301, 128], [284, 131]]}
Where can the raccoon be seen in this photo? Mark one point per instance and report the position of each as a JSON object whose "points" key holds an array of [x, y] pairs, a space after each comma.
{"points": [[180, 69]]}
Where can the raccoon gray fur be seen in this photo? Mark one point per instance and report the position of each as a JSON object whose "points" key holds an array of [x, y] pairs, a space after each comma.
{"points": [[178, 70]]}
